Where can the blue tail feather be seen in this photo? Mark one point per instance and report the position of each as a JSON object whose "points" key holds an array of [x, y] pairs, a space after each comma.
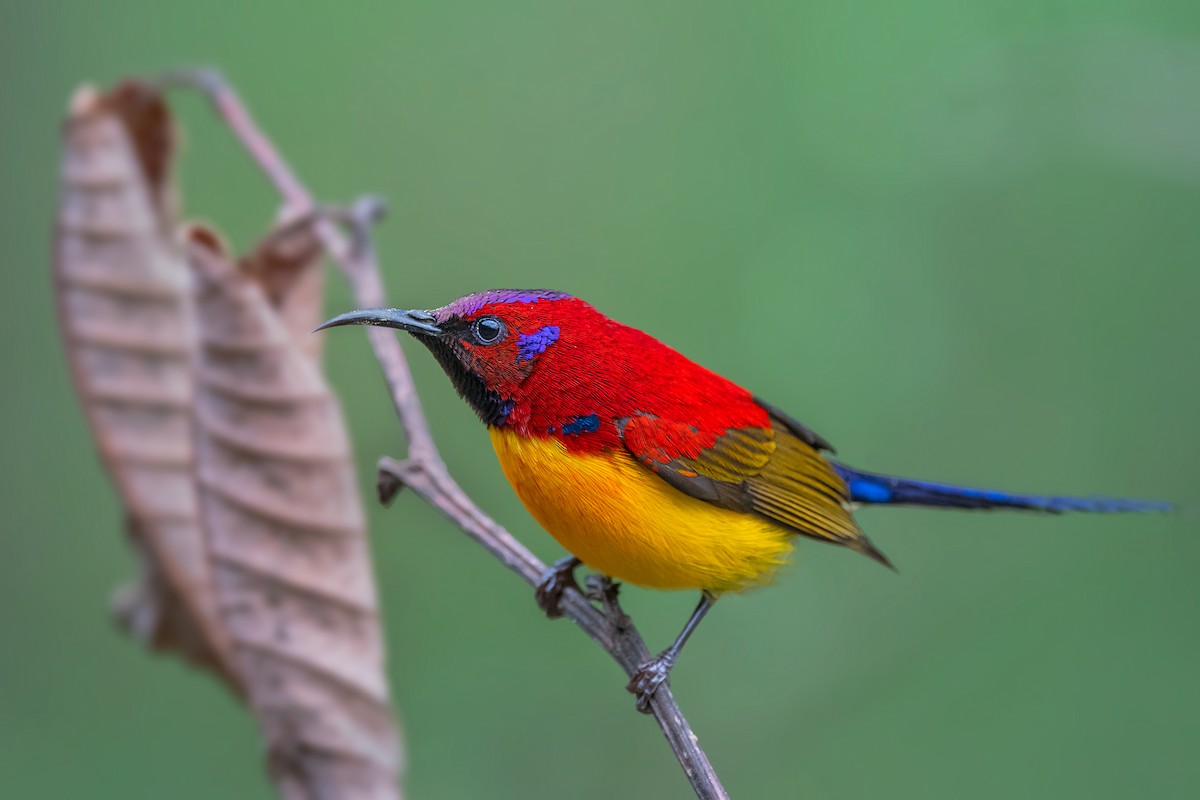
{"points": [[871, 489]]}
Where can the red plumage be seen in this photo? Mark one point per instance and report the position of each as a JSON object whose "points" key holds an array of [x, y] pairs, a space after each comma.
{"points": [[599, 366]]}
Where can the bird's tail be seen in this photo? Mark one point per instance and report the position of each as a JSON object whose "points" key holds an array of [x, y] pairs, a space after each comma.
{"points": [[871, 489]]}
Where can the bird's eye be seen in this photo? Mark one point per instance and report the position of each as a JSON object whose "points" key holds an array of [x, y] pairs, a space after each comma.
{"points": [[487, 330]]}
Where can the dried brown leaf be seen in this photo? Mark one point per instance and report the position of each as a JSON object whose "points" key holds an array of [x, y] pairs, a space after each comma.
{"points": [[287, 265], [124, 310], [286, 537]]}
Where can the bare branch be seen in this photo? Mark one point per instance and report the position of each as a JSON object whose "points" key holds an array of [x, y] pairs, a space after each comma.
{"points": [[212, 83], [424, 471]]}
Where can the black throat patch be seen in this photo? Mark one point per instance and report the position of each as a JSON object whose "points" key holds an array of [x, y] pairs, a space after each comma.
{"points": [[488, 405]]}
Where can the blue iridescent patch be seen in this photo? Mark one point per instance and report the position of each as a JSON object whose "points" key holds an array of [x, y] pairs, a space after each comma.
{"points": [[579, 425], [465, 306], [862, 491], [534, 344]]}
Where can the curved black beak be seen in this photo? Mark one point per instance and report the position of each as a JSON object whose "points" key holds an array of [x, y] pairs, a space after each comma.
{"points": [[411, 321]]}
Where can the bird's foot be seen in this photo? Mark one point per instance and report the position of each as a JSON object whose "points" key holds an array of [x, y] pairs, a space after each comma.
{"points": [[603, 590], [649, 677], [559, 578]]}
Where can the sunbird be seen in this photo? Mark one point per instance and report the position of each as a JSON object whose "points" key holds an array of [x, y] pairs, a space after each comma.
{"points": [[646, 466]]}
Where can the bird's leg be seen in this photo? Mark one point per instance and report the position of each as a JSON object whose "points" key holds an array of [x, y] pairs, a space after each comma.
{"points": [[654, 673], [558, 578]]}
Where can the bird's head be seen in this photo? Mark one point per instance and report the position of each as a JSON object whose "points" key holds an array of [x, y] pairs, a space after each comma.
{"points": [[490, 343]]}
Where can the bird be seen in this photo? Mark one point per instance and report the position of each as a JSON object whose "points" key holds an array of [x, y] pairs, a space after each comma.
{"points": [[649, 468]]}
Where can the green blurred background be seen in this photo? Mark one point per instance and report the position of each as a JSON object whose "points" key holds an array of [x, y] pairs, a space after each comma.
{"points": [[960, 239]]}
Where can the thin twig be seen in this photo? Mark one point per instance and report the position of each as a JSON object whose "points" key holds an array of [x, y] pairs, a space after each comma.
{"points": [[424, 471]]}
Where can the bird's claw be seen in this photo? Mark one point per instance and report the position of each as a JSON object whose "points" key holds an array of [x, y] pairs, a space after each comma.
{"points": [[649, 677], [557, 579]]}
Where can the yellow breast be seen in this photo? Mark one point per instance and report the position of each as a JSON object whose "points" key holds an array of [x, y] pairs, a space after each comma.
{"points": [[620, 518]]}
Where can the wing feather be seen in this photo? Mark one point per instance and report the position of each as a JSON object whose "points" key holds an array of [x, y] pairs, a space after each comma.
{"points": [[777, 472]]}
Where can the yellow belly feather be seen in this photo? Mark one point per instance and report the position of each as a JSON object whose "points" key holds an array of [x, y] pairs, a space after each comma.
{"points": [[620, 518]]}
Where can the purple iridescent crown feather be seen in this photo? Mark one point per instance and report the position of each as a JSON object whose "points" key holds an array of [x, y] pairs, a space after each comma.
{"points": [[469, 304]]}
